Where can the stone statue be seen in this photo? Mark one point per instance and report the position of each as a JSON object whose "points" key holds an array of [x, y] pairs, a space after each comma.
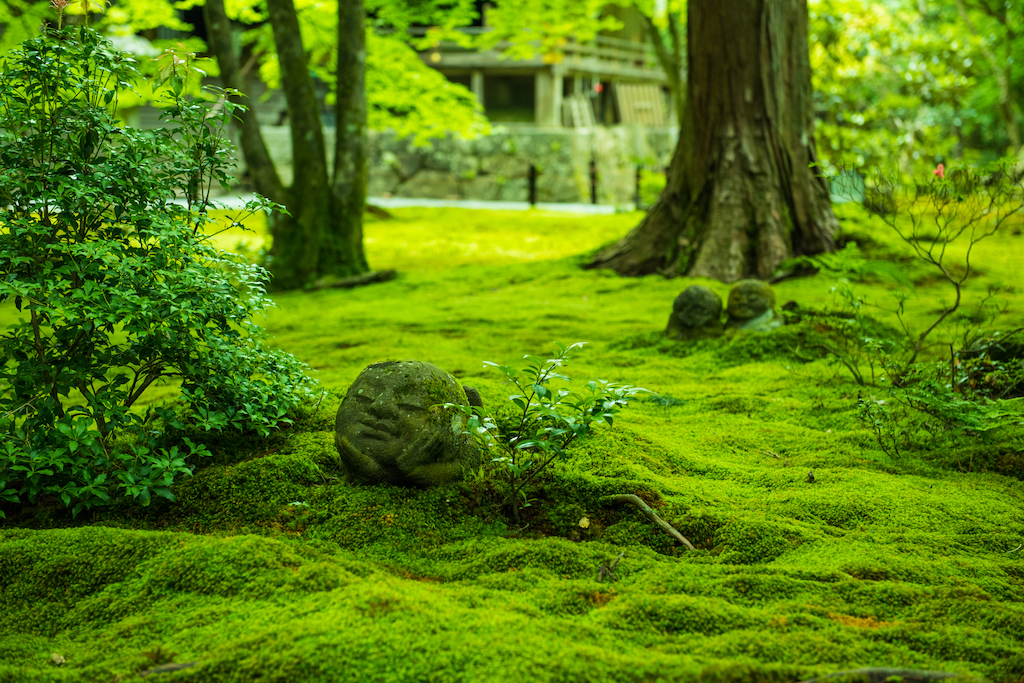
{"points": [[696, 314], [752, 306], [392, 427]]}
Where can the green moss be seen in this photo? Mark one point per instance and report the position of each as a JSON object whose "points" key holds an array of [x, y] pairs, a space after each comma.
{"points": [[256, 491], [273, 567]]}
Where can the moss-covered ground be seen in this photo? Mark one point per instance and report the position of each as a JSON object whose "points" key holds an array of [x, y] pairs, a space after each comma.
{"points": [[271, 566]]}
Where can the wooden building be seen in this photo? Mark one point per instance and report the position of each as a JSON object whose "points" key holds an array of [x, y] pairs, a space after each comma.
{"points": [[608, 81]]}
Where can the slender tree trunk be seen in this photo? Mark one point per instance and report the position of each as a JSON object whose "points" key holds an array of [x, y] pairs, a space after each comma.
{"points": [[295, 254], [320, 236], [261, 167], [351, 168], [743, 191]]}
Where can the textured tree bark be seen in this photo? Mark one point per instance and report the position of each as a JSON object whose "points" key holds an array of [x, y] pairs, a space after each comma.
{"points": [[743, 192], [321, 236], [351, 169], [261, 168]]}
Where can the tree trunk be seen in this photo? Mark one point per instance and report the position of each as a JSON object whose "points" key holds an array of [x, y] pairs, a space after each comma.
{"points": [[351, 168], [743, 191], [257, 158], [320, 237]]}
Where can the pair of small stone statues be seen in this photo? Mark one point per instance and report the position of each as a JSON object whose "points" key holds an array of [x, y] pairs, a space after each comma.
{"points": [[697, 312], [393, 426]]}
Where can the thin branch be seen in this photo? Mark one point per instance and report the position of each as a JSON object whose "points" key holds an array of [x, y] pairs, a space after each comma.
{"points": [[608, 569], [650, 514]]}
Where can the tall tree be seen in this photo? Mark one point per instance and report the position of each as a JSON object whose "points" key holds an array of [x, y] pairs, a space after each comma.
{"points": [[742, 192], [322, 234]]}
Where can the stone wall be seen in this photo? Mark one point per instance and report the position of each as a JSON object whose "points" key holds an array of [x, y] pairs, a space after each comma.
{"points": [[496, 167]]}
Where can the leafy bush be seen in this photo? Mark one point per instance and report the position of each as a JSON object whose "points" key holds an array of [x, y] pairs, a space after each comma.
{"points": [[116, 286], [941, 221], [539, 422]]}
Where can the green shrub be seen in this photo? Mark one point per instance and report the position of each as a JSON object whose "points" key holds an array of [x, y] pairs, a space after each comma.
{"points": [[117, 286], [539, 423], [941, 221]]}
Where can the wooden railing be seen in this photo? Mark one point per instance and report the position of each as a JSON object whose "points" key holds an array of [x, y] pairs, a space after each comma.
{"points": [[613, 52]]}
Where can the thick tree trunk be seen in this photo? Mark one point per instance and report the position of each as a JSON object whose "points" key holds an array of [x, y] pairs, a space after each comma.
{"points": [[306, 242], [743, 191], [320, 237]]}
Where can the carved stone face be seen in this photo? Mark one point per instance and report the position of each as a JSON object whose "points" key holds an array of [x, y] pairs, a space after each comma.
{"points": [[749, 299], [392, 427], [696, 314], [387, 409]]}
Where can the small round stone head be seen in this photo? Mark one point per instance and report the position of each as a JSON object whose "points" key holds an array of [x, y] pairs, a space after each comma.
{"points": [[749, 299], [696, 314], [392, 426], [752, 306]]}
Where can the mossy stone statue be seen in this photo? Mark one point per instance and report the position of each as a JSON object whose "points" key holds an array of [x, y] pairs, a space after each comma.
{"points": [[392, 426], [696, 314], [752, 306]]}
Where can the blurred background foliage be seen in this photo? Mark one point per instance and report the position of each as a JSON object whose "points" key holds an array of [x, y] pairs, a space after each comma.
{"points": [[916, 82]]}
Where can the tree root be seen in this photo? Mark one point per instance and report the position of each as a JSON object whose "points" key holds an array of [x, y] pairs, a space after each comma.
{"points": [[650, 514], [378, 212], [878, 674], [356, 280]]}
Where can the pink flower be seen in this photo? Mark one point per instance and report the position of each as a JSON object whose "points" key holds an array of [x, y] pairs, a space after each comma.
{"points": [[939, 171]]}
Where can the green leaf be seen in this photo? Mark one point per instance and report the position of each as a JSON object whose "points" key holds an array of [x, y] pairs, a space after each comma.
{"points": [[164, 493]]}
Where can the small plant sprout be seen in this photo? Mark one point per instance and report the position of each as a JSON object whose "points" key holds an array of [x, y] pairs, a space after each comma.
{"points": [[540, 421]]}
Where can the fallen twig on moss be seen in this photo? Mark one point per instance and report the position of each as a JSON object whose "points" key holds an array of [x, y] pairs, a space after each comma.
{"points": [[650, 514], [378, 212], [608, 570]]}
